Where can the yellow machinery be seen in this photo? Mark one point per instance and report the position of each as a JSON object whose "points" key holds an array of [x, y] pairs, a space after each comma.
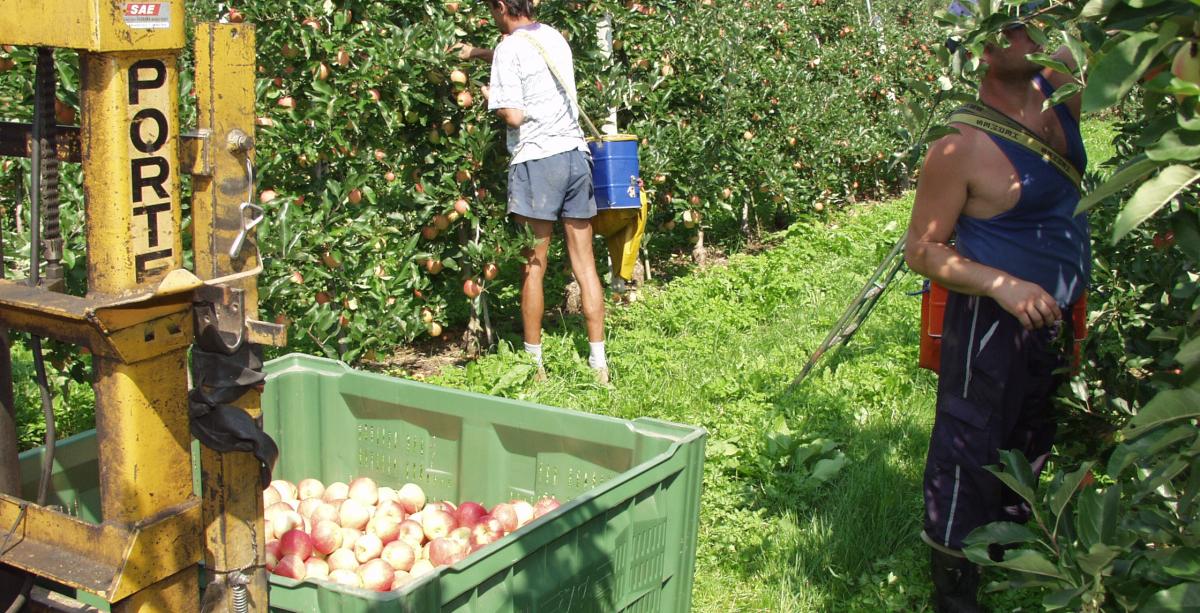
{"points": [[144, 313]]}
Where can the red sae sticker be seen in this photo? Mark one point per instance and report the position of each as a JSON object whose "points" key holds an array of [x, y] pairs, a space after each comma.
{"points": [[148, 15]]}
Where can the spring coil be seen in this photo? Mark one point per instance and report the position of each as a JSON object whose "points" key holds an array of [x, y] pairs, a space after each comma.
{"points": [[46, 99], [241, 603]]}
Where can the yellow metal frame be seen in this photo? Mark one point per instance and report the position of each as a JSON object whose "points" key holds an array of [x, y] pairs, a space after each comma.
{"points": [[224, 84], [137, 316]]}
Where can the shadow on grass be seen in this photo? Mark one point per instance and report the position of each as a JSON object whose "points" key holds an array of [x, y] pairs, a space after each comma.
{"points": [[872, 510]]}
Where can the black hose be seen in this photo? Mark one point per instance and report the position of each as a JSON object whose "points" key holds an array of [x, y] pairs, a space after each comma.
{"points": [[39, 368]]}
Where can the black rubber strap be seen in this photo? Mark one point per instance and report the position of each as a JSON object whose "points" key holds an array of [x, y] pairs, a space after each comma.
{"points": [[217, 381]]}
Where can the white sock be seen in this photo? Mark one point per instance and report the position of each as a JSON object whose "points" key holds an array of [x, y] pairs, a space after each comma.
{"points": [[535, 351], [597, 359]]}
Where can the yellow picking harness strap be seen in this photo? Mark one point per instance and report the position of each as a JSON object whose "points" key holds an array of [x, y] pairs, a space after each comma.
{"points": [[994, 122], [527, 37]]}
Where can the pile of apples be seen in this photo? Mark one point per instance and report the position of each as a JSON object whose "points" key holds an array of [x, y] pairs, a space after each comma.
{"points": [[378, 538]]}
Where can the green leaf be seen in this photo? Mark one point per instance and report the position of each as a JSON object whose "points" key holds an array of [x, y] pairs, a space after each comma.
{"points": [[1033, 562], [1001, 533], [1135, 169], [324, 88], [1097, 8], [1117, 70], [827, 468], [1095, 515], [1075, 46], [1187, 234], [1152, 196], [1189, 354], [1097, 559], [1181, 145], [517, 374], [1182, 597], [1146, 447], [1167, 406], [1061, 599], [1061, 94], [1018, 475], [1048, 61], [1184, 563], [1066, 490]]}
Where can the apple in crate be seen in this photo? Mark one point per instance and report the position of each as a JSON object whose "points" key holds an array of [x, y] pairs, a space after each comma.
{"points": [[353, 514], [316, 568], [345, 577], [342, 559], [270, 497], [399, 554], [412, 533], [296, 542], [273, 554], [365, 491], [420, 567], [443, 551], [390, 508], [281, 518], [402, 579], [377, 575], [291, 566], [308, 506], [468, 513], [327, 536], [544, 506], [387, 494], [367, 547], [309, 488], [324, 512], [386, 527], [524, 511], [286, 489], [437, 522], [506, 515], [336, 491], [411, 497]]}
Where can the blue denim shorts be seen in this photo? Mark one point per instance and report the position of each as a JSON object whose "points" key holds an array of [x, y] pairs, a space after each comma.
{"points": [[552, 188]]}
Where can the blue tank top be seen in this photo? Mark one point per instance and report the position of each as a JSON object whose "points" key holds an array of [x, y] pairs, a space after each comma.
{"points": [[1039, 240]]}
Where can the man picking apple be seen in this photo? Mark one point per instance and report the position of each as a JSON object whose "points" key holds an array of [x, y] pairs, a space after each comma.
{"points": [[1020, 261], [550, 174]]}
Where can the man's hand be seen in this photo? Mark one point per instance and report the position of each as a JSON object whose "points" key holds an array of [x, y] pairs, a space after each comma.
{"points": [[466, 52], [1026, 301]]}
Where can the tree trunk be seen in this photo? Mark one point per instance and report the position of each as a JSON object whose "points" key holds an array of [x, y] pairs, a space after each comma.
{"points": [[745, 229], [699, 253]]}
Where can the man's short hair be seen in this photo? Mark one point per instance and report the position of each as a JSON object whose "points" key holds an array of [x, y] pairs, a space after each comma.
{"points": [[515, 8]]}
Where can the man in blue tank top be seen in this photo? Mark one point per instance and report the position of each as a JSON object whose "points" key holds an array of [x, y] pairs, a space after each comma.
{"points": [[1020, 260]]}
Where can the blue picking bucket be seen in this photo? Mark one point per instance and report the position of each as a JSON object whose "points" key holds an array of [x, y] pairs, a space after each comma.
{"points": [[615, 172]]}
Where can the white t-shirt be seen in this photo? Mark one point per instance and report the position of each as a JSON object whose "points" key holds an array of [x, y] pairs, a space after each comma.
{"points": [[521, 80]]}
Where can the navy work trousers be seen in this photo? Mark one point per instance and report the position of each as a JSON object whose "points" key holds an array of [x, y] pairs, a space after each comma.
{"points": [[995, 391]]}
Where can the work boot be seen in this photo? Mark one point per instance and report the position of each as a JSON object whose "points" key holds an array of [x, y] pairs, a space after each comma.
{"points": [[955, 583]]}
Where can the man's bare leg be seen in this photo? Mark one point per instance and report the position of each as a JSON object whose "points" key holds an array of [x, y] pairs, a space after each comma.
{"points": [[583, 264], [533, 274]]}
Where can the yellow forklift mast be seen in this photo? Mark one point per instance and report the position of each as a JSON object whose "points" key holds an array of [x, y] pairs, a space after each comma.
{"points": [[144, 315]]}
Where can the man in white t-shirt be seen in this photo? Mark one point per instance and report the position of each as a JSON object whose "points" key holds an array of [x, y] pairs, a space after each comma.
{"points": [[550, 175]]}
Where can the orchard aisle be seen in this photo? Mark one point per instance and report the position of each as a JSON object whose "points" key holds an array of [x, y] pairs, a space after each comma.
{"points": [[718, 349]]}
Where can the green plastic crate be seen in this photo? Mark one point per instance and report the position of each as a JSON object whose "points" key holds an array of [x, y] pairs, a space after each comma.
{"points": [[623, 540]]}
